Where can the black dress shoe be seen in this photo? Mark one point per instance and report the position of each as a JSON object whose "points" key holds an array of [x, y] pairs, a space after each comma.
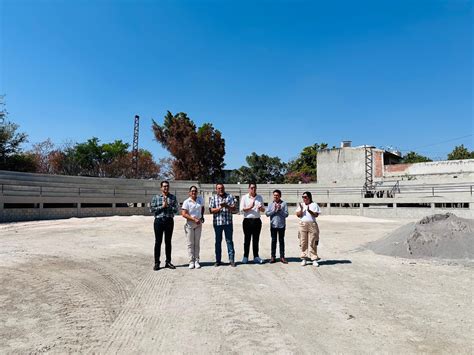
{"points": [[232, 263], [217, 263], [272, 260], [170, 266], [156, 267]]}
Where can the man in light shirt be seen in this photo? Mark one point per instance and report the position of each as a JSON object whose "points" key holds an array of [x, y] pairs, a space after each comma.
{"points": [[251, 205]]}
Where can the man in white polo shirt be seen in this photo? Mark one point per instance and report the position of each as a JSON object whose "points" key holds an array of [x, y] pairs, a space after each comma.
{"points": [[251, 205]]}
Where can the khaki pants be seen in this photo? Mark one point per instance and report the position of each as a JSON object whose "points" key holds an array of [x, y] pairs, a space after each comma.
{"points": [[193, 240], [309, 239]]}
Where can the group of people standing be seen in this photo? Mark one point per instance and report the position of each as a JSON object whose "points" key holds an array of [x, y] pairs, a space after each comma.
{"points": [[222, 205]]}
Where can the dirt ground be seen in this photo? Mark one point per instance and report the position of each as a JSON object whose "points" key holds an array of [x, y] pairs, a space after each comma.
{"points": [[87, 285]]}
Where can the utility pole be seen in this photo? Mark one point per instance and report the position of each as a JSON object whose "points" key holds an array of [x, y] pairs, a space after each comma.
{"points": [[135, 147]]}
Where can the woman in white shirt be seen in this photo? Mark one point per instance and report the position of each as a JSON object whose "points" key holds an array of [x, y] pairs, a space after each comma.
{"points": [[193, 211], [308, 228]]}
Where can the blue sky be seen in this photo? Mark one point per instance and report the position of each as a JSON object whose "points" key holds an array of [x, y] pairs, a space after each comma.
{"points": [[272, 76]]}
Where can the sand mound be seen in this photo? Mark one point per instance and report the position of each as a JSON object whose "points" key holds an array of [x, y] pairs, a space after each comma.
{"points": [[439, 236]]}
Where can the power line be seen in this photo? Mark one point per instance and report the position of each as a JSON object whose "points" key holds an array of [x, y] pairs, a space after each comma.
{"points": [[433, 144]]}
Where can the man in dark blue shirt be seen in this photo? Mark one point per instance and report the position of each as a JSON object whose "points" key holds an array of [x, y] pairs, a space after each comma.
{"points": [[164, 206], [278, 212]]}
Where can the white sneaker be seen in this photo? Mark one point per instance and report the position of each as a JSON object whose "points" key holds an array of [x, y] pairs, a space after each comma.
{"points": [[315, 263], [197, 265], [257, 260], [245, 260], [191, 265], [303, 262]]}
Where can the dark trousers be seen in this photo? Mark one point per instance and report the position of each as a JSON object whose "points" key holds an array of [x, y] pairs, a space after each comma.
{"points": [[280, 233], [252, 228], [163, 225]]}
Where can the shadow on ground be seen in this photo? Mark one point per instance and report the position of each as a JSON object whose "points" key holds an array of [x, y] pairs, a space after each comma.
{"points": [[322, 262]]}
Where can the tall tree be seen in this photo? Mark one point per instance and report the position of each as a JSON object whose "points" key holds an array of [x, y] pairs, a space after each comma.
{"points": [[11, 155], [89, 156], [413, 157], [198, 154], [262, 169], [10, 141], [460, 152], [211, 149]]}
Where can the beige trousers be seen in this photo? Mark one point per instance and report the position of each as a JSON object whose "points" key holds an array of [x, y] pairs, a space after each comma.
{"points": [[193, 240], [308, 233]]}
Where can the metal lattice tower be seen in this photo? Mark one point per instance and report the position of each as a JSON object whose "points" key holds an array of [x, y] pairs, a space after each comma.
{"points": [[369, 163], [135, 147], [3, 111]]}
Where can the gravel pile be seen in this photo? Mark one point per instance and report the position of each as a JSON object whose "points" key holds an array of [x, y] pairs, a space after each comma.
{"points": [[443, 236]]}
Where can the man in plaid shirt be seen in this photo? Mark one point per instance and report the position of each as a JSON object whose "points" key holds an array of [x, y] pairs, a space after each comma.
{"points": [[221, 206], [164, 206]]}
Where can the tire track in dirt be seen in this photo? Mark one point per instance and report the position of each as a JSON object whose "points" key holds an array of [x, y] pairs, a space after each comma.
{"points": [[140, 316], [245, 326], [304, 301], [90, 296], [83, 298]]}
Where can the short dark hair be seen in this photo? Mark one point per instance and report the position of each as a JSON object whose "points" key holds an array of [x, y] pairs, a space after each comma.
{"points": [[164, 182], [192, 187], [252, 183], [277, 191], [219, 183]]}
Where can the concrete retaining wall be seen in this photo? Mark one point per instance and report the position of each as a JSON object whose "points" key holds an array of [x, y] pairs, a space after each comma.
{"points": [[451, 167], [32, 214], [81, 194]]}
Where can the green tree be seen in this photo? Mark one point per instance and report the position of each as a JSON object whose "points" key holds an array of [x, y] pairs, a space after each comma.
{"points": [[11, 155], [93, 157], [111, 151], [89, 157], [10, 141], [262, 169], [24, 162], [460, 152], [304, 167], [413, 157], [198, 153]]}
